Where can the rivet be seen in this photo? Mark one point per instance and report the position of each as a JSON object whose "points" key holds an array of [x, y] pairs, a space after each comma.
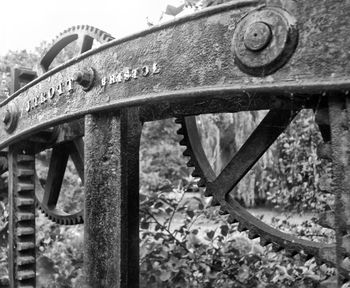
{"points": [[10, 117], [257, 36]]}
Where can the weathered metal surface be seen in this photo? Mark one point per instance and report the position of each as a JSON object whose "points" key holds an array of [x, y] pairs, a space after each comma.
{"points": [[111, 255], [168, 63]]}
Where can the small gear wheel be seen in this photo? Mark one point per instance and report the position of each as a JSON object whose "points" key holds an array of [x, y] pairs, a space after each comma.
{"points": [[47, 194], [84, 35]]}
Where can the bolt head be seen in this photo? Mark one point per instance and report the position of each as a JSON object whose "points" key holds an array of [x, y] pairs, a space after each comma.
{"points": [[257, 36], [85, 79], [6, 118], [78, 77]]}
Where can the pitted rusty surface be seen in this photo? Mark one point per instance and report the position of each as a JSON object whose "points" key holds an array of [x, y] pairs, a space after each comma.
{"points": [[168, 63]]}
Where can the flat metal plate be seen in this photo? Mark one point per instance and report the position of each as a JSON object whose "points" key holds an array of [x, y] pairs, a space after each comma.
{"points": [[190, 59]]}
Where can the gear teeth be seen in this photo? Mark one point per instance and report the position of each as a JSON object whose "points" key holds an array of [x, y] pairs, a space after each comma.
{"points": [[22, 246], [179, 120], [26, 260], [196, 173], [25, 275], [180, 131], [190, 163], [241, 227], [327, 219], [207, 193], [252, 234], [214, 202], [25, 172], [25, 158], [183, 142], [24, 202], [202, 183], [264, 242], [22, 231], [24, 186], [291, 253], [232, 219], [276, 247], [187, 153], [22, 218], [223, 211], [307, 257]]}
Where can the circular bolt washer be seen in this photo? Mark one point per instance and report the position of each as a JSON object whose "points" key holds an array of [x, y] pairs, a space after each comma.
{"points": [[10, 117], [85, 79], [264, 40]]}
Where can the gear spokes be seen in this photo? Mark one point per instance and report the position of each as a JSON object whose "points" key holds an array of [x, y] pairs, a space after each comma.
{"points": [[47, 196], [83, 34]]}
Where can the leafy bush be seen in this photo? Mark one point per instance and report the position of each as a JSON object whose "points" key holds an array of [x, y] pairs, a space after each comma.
{"points": [[186, 255]]}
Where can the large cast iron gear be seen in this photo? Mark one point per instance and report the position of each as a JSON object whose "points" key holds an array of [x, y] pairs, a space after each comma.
{"points": [[47, 197], [324, 253]]}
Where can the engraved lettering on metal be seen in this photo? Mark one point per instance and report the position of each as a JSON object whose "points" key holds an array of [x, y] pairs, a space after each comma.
{"points": [[134, 73], [52, 92], [128, 73], [145, 71], [37, 100]]}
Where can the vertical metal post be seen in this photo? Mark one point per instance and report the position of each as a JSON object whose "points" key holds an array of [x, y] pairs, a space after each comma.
{"points": [[111, 254], [339, 123]]}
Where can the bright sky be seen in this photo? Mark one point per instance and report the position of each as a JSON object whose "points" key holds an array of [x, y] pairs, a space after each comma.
{"points": [[24, 24]]}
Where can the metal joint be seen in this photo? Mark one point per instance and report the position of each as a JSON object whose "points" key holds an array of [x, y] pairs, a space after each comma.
{"points": [[264, 41], [85, 79]]}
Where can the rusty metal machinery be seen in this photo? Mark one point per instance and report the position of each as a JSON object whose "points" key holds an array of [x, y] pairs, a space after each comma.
{"points": [[47, 197], [245, 55]]}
